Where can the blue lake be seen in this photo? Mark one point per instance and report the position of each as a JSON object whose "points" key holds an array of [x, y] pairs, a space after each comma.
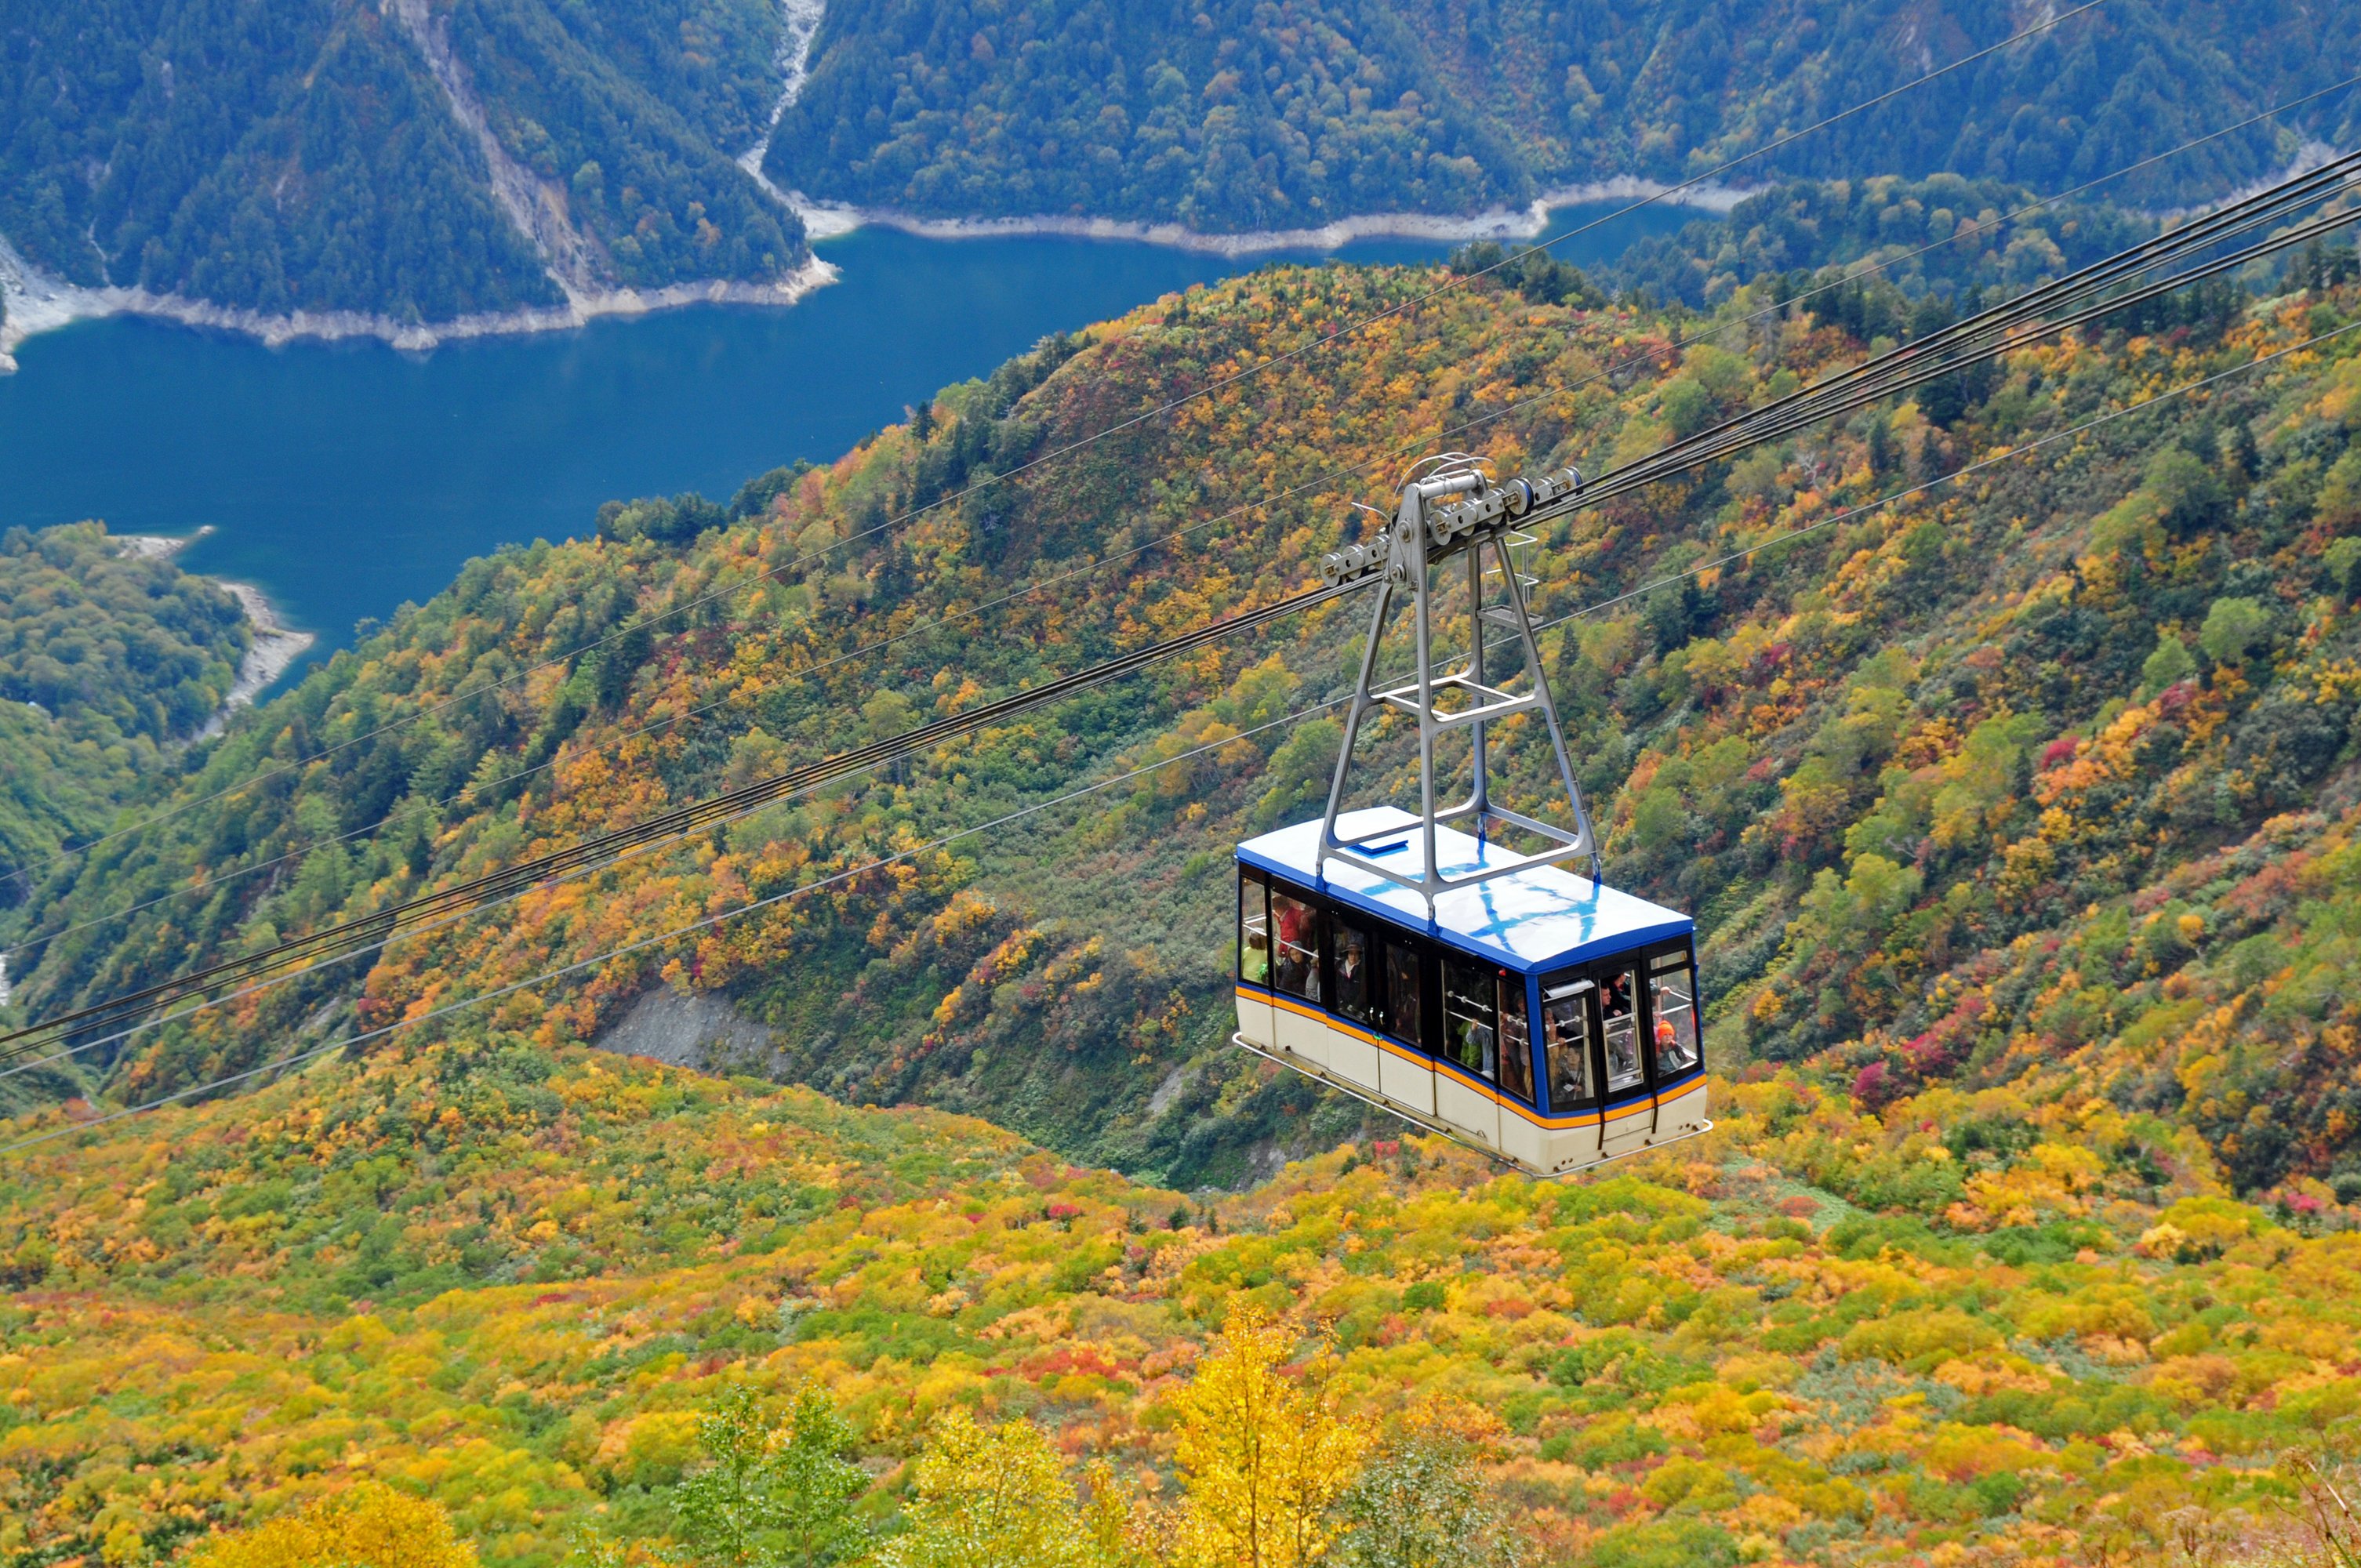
{"points": [[345, 478]]}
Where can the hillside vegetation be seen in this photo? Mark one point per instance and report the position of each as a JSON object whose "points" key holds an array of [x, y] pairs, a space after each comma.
{"points": [[514, 1281], [1915, 772], [1236, 115], [332, 155], [2019, 818], [302, 154], [105, 661]]}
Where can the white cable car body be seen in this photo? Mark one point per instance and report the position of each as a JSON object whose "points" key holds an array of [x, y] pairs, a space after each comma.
{"points": [[1476, 989], [1540, 1017]]}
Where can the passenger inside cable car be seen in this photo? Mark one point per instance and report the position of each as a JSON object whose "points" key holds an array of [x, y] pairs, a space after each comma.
{"points": [[1541, 1016]]}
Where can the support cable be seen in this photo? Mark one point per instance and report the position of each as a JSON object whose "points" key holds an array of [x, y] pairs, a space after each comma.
{"points": [[577, 966], [1981, 337], [2011, 454]]}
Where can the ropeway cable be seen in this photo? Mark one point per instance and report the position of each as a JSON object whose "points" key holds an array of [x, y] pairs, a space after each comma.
{"points": [[1981, 337], [1834, 518], [372, 931], [577, 966], [837, 879], [24, 873], [2081, 292]]}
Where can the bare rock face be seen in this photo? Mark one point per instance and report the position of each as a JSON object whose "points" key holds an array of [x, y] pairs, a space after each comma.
{"points": [[697, 1030]]}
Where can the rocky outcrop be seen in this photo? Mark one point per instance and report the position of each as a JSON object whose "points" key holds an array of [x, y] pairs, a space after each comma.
{"points": [[697, 1030]]}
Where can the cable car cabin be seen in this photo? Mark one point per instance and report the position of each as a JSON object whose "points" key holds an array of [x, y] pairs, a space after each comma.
{"points": [[1542, 1016]]}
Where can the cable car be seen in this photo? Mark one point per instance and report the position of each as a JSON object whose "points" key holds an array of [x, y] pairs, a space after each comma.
{"points": [[1467, 980], [1542, 1016]]}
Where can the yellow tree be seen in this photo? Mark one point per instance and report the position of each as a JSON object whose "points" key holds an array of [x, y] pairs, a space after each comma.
{"points": [[368, 1525], [991, 1498], [1264, 1452]]}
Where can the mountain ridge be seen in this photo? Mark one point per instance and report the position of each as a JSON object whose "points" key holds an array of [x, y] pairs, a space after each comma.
{"points": [[1237, 118], [436, 169]]}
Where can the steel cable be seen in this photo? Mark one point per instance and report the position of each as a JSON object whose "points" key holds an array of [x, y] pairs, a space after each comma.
{"points": [[1981, 337], [24, 873], [40, 939]]}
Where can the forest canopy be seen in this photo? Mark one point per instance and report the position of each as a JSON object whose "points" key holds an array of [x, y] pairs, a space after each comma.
{"points": [[303, 155], [106, 660], [1250, 114]]}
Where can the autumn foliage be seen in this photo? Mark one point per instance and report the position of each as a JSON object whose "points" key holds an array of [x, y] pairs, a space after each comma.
{"points": [[366, 1525], [2022, 819]]}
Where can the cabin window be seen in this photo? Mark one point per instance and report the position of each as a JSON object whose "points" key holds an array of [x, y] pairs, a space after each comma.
{"points": [[1403, 992], [1619, 1017], [1566, 1044], [1349, 950], [1671, 994], [1516, 1038], [1295, 951], [1471, 1031], [1254, 932]]}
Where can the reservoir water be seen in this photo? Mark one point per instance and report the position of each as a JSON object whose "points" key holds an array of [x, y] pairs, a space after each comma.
{"points": [[345, 478]]}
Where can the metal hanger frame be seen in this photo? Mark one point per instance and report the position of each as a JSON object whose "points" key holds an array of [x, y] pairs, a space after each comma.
{"points": [[1414, 558]]}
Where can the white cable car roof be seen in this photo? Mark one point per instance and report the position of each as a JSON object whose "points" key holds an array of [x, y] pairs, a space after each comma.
{"points": [[1543, 918]]}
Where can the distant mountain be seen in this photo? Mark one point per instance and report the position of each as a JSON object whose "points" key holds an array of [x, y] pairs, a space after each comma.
{"points": [[1238, 115], [420, 161]]}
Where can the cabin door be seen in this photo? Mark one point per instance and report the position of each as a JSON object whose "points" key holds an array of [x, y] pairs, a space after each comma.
{"points": [[1630, 1113], [1464, 1080]]}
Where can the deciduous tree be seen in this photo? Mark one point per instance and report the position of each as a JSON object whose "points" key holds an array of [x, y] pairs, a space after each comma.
{"points": [[990, 1497], [368, 1525], [1264, 1451]]}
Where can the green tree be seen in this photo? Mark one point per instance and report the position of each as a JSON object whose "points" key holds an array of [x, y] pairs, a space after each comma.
{"points": [[817, 1485], [2169, 666], [1420, 1502], [2190, 495], [772, 1492], [2232, 629]]}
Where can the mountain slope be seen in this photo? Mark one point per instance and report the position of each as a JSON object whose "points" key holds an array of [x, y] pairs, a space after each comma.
{"points": [[306, 155], [513, 1280], [2022, 819], [1887, 763], [1231, 117]]}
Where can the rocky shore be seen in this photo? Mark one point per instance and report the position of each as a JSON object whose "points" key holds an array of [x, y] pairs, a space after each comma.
{"points": [[825, 220], [37, 304], [276, 646]]}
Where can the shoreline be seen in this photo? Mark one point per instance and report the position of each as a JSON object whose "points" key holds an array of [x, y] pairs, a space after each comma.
{"points": [[39, 303], [276, 646], [36, 303], [829, 220]]}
